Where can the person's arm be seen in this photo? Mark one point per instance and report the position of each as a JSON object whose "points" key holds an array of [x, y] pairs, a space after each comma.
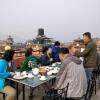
{"points": [[86, 51], [5, 75], [61, 76], [3, 70], [45, 61]]}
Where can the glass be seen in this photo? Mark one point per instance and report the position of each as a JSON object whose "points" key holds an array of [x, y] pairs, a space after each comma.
{"points": [[31, 64]]}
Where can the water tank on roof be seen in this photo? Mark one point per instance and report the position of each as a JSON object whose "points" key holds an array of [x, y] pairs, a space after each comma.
{"points": [[41, 31]]}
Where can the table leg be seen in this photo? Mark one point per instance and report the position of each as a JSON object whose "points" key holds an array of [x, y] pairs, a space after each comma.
{"points": [[23, 92], [53, 81], [31, 93], [17, 90], [4, 97]]}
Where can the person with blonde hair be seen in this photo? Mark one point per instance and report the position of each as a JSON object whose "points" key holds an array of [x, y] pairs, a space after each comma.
{"points": [[7, 47]]}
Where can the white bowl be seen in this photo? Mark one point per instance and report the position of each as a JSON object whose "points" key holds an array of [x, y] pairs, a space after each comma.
{"points": [[49, 73], [42, 78], [35, 71], [54, 64], [58, 63], [24, 73], [17, 73], [30, 75]]}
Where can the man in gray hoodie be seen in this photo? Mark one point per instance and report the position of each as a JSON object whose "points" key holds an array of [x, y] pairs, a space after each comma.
{"points": [[72, 72]]}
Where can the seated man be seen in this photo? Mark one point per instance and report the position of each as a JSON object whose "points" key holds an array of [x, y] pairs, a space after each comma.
{"points": [[72, 72], [46, 57]]}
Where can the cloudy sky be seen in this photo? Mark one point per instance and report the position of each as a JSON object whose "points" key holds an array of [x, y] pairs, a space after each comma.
{"points": [[62, 20]]}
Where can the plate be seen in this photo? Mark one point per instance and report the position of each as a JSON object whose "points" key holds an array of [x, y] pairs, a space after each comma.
{"points": [[59, 63], [30, 76], [42, 79], [54, 71], [49, 68], [19, 77], [54, 64]]}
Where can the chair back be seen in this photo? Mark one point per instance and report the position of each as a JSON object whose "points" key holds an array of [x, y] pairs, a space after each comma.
{"points": [[63, 91], [57, 94]]}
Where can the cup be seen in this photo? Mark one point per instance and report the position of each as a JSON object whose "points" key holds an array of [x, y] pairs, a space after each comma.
{"points": [[35, 71], [42, 77], [24, 73], [17, 73], [49, 73], [30, 75]]}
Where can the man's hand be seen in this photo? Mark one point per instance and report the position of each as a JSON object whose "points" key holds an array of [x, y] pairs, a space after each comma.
{"points": [[51, 59]]}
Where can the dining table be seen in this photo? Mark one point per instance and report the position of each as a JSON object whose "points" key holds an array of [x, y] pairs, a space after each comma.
{"points": [[31, 82]]}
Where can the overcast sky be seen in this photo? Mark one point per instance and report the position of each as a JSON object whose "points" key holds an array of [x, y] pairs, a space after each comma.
{"points": [[62, 20]]}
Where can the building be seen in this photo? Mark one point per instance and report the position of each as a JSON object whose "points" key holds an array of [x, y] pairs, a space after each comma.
{"points": [[40, 40], [19, 46], [80, 42], [2, 45], [9, 41]]}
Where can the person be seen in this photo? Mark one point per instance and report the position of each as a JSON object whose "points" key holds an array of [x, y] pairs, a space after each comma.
{"points": [[29, 61], [89, 54], [72, 49], [46, 58], [4, 73], [11, 63], [7, 47], [55, 51], [72, 72]]}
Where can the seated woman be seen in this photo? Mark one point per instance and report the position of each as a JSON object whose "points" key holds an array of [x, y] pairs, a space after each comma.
{"points": [[11, 63], [4, 73], [46, 57], [26, 66], [72, 72]]}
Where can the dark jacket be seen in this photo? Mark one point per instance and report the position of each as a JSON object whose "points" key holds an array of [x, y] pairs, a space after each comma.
{"points": [[98, 60], [55, 54], [90, 55], [45, 60]]}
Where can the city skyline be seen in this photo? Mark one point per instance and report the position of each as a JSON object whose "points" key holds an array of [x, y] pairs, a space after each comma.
{"points": [[62, 20]]}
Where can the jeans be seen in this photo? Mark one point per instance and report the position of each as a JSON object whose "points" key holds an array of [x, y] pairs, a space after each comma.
{"points": [[89, 73]]}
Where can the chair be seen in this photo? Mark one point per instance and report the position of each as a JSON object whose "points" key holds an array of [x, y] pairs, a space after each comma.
{"points": [[57, 94], [4, 96]]}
